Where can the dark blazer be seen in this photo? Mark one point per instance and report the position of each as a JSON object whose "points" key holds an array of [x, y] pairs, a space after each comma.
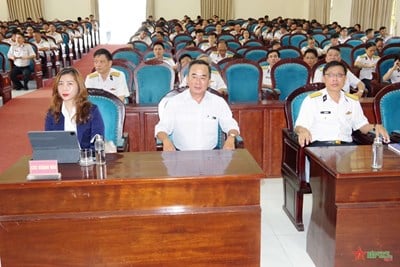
{"points": [[86, 131]]}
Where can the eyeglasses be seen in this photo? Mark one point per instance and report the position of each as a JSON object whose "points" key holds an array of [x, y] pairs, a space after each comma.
{"points": [[335, 75]]}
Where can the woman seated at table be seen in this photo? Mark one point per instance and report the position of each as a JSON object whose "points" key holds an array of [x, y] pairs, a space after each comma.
{"points": [[70, 109]]}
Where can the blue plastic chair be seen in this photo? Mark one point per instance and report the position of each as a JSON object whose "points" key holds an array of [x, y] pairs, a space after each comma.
{"points": [[153, 79], [244, 80], [112, 111], [140, 46], [289, 74], [4, 47], [391, 49], [293, 158], [386, 106], [354, 42], [289, 52], [295, 39], [130, 54], [345, 53], [256, 53]]}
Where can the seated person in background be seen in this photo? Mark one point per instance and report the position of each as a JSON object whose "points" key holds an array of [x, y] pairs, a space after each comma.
{"points": [[142, 36], [221, 53], [334, 42], [393, 74], [311, 44], [105, 77], [275, 45], [369, 35], [333, 54], [245, 37], [52, 32], [183, 64], [343, 36], [43, 47], [367, 63], [379, 45], [193, 116], [212, 41], [216, 81], [328, 116], [158, 50], [71, 110], [273, 57], [310, 57], [21, 54]]}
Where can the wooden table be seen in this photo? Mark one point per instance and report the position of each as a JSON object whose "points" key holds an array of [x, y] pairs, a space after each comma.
{"points": [[355, 218], [147, 209]]}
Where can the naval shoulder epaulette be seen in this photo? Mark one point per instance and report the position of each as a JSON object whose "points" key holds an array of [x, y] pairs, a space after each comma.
{"points": [[115, 73], [315, 94], [93, 75], [352, 96]]}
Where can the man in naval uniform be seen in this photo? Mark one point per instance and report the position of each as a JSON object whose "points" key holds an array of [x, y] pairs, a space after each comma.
{"points": [[105, 77]]}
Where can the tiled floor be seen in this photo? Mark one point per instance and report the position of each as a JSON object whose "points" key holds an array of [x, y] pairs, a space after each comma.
{"points": [[281, 244]]}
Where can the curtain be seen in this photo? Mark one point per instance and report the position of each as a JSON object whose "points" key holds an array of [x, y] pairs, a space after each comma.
{"points": [[150, 8], [222, 8], [371, 13], [94, 8], [22, 9], [320, 10]]}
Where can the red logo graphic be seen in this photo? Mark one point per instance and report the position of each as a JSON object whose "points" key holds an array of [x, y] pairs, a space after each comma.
{"points": [[359, 254]]}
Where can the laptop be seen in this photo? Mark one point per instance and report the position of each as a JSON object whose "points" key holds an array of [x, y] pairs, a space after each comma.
{"points": [[62, 146]]}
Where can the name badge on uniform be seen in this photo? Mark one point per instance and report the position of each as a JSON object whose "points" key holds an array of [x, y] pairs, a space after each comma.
{"points": [[325, 112]]}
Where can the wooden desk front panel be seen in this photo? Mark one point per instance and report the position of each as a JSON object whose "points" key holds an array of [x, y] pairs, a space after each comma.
{"points": [[147, 219], [260, 124], [194, 224], [356, 211]]}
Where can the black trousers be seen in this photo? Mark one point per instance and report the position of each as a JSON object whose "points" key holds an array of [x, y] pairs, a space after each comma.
{"points": [[26, 73]]}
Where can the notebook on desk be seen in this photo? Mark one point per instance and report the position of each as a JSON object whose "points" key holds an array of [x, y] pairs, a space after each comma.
{"points": [[62, 146]]}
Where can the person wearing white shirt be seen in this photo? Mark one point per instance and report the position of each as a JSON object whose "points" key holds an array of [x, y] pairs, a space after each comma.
{"points": [[329, 116], [221, 53], [312, 45], [158, 50], [393, 74], [367, 63], [351, 80], [190, 119], [21, 54], [105, 77], [273, 57]]}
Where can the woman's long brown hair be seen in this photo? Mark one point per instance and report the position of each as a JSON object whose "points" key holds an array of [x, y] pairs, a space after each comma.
{"points": [[81, 100]]}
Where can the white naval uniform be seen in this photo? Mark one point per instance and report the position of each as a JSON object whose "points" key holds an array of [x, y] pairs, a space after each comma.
{"points": [[115, 82], [266, 79], [327, 120], [366, 73], [216, 57]]}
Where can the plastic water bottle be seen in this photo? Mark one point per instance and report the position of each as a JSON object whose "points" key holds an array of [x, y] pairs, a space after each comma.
{"points": [[99, 147], [377, 153]]}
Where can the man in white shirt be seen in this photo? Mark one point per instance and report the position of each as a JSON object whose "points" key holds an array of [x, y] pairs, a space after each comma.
{"points": [[190, 119], [105, 77], [21, 54], [221, 52]]}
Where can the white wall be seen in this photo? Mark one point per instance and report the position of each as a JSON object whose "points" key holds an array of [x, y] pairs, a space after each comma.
{"points": [[337, 14], [66, 9], [4, 15]]}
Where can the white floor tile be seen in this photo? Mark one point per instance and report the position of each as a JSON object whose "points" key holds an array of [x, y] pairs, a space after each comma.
{"points": [[281, 244]]}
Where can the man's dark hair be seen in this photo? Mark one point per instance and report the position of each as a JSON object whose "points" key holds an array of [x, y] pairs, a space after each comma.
{"points": [[183, 56], [334, 64], [334, 48], [159, 43], [369, 44], [312, 51], [200, 62], [104, 52], [273, 51]]}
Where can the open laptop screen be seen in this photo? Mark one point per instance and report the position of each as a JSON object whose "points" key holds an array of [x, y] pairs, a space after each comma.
{"points": [[62, 146]]}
